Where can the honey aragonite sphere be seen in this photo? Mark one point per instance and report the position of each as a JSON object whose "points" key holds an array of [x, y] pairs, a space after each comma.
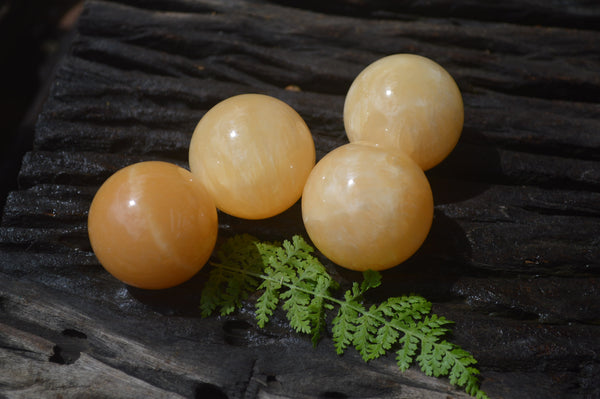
{"points": [[152, 225], [367, 208], [253, 153], [406, 102]]}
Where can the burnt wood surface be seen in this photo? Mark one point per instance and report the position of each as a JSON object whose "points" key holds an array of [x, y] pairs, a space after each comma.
{"points": [[512, 257]]}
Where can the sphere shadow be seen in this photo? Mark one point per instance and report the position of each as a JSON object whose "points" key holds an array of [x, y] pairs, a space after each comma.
{"points": [[277, 228], [181, 300], [467, 172], [430, 272]]}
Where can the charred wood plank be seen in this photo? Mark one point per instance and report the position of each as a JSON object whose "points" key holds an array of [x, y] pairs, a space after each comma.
{"points": [[512, 256]]}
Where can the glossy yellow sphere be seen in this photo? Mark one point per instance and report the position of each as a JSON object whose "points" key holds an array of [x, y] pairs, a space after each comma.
{"points": [[367, 208], [253, 153], [407, 103], [152, 225]]}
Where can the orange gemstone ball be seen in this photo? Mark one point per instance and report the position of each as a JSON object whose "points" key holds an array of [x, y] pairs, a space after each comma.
{"points": [[253, 153], [367, 208], [407, 103], [152, 225]]}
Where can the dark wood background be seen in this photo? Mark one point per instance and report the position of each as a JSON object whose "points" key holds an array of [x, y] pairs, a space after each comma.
{"points": [[513, 253]]}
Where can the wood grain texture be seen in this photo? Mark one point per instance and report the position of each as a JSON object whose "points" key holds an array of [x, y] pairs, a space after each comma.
{"points": [[513, 253]]}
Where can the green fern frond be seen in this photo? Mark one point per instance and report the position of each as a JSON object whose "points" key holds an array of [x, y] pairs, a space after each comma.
{"points": [[408, 349], [229, 288], [366, 340], [212, 294], [371, 279], [296, 304], [387, 336], [267, 302], [344, 327], [290, 276]]}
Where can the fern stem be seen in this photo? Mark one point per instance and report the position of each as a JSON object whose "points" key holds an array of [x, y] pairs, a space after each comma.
{"points": [[421, 337], [278, 281]]}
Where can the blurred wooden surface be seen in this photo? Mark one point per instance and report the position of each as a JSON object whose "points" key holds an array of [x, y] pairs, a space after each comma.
{"points": [[512, 258]]}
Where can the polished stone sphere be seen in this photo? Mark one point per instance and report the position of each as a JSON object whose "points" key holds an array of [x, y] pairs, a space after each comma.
{"points": [[152, 225], [407, 103], [253, 153], [367, 208]]}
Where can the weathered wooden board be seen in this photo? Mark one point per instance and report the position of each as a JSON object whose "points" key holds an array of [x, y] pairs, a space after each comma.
{"points": [[512, 257]]}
